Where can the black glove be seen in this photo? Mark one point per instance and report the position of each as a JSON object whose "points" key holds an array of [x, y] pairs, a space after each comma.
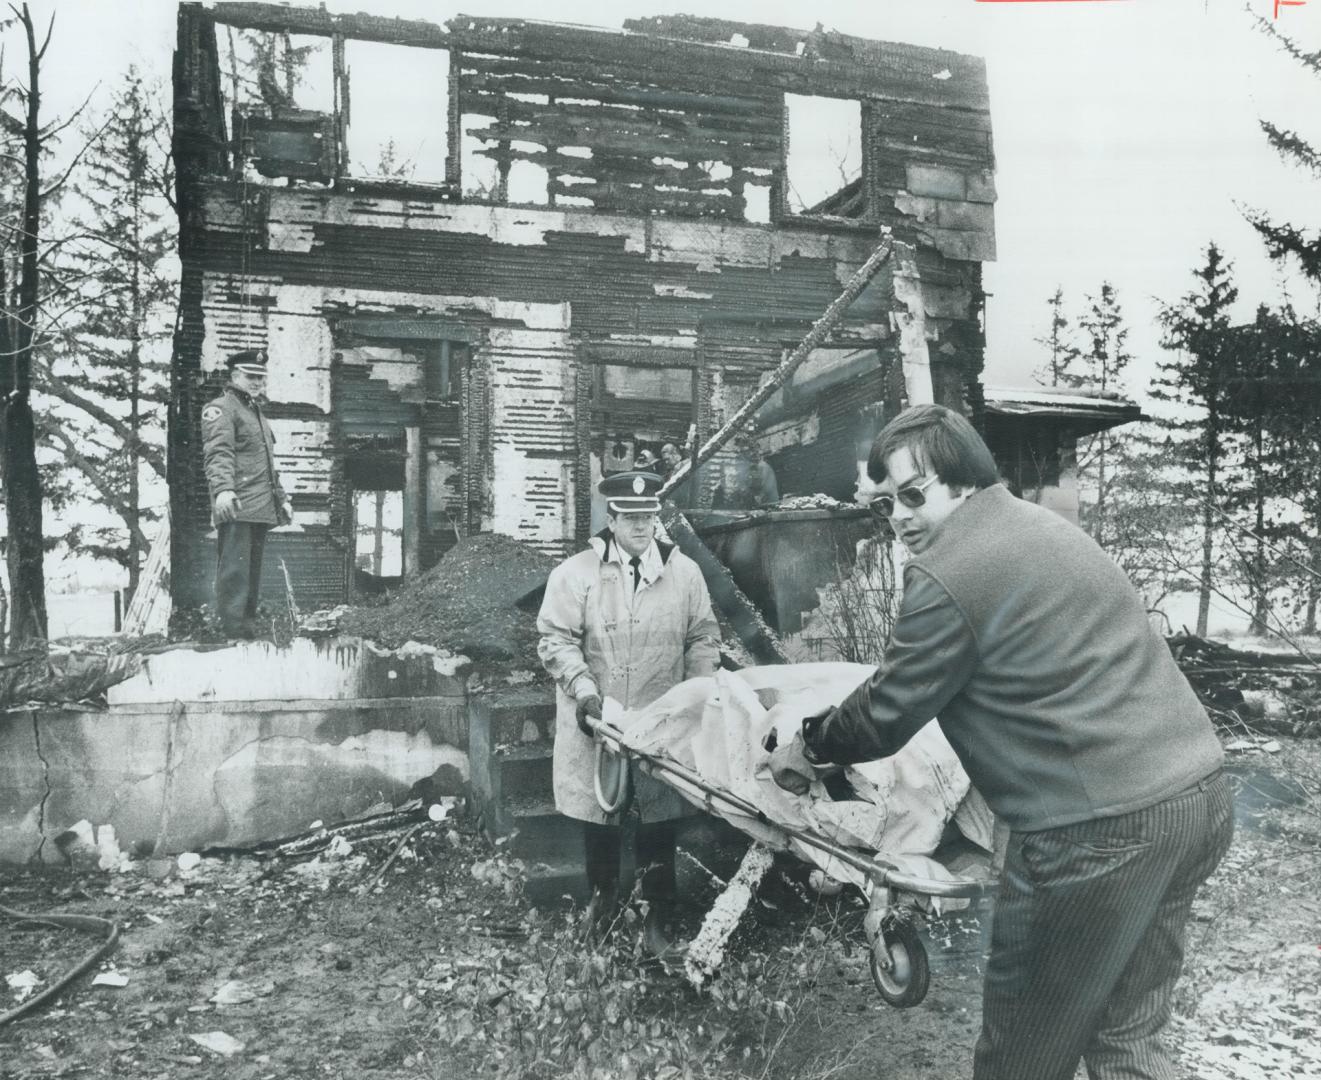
{"points": [[588, 706], [790, 767], [812, 726]]}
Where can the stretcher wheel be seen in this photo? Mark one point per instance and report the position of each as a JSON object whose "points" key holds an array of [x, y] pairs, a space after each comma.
{"points": [[904, 975]]}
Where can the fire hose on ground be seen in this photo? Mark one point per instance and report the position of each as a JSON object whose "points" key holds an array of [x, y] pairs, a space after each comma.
{"points": [[90, 923]]}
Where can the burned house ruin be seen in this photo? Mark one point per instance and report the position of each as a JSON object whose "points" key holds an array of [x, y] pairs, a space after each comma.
{"points": [[614, 236]]}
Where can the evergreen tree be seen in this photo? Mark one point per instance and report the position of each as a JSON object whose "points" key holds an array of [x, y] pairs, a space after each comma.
{"points": [[1101, 367], [1283, 239], [1276, 415], [1297, 423], [1062, 353], [113, 370], [1199, 380]]}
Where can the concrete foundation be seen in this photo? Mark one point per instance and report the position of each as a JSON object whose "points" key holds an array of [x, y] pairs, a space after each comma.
{"points": [[234, 746]]}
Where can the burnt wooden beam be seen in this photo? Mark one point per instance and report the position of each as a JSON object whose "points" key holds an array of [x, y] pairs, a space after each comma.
{"points": [[884, 70], [816, 336], [278, 19]]}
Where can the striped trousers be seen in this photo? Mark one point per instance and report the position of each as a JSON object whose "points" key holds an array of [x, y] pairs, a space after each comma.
{"points": [[1088, 935]]}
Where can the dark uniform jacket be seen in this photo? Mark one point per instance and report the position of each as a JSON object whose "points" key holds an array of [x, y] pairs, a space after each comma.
{"points": [[238, 454], [1035, 652]]}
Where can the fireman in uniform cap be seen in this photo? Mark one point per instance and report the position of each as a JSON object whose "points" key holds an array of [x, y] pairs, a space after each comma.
{"points": [[246, 497], [629, 618]]}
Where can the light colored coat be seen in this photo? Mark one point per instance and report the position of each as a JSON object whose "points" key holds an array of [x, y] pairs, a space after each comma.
{"points": [[600, 637]]}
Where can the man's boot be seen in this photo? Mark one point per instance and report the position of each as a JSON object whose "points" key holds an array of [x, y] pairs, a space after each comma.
{"points": [[656, 852], [601, 862], [600, 915], [658, 936]]}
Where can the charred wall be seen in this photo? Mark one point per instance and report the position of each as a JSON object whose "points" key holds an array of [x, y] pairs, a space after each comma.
{"points": [[629, 298]]}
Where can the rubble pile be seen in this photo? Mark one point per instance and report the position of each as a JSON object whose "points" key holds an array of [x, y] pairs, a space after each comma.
{"points": [[468, 603], [1274, 693]]}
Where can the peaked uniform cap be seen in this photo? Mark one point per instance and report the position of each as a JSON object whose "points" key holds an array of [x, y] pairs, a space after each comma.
{"points": [[631, 492], [249, 361]]}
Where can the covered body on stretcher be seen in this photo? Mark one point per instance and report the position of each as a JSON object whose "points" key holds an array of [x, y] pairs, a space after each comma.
{"points": [[717, 728]]}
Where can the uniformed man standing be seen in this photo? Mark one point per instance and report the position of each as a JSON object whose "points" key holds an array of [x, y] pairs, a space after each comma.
{"points": [[628, 619], [246, 497]]}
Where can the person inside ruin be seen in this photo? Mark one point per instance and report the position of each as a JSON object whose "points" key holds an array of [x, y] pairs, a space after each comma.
{"points": [[627, 619], [763, 489], [247, 500], [1034, 651], [670, 458], [646, 461]]}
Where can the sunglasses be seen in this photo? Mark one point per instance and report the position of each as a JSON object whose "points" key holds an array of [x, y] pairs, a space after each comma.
{"points": [[911, 495]]}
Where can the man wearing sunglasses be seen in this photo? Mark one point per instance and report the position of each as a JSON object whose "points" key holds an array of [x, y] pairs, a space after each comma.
{"points": [[1069, 714]]}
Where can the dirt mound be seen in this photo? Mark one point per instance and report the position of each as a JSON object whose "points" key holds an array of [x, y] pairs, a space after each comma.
{"points": [[467, 603]]}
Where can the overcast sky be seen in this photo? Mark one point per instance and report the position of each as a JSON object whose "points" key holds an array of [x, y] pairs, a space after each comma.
{"points": [[1126, 131]]}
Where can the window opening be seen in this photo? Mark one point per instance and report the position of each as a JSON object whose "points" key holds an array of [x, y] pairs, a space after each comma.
{"points": [[481, 175], [378, 527], [279, 96], [398, 109], [823, 163]]}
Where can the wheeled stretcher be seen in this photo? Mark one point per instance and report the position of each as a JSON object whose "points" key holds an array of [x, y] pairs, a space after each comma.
{"points": [[898, 959]]}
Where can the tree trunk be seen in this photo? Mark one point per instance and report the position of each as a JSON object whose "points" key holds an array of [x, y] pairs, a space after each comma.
{"points": [[1313, 589], [1208, 529], [25, 554], [1260, 587], [378, 535], [134, 522]]}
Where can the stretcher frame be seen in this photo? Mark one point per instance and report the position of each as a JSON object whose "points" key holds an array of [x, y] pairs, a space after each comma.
{"points": [[899, 965]]}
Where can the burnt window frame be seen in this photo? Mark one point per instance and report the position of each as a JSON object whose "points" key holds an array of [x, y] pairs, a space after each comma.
{"points": [[781, 213]]}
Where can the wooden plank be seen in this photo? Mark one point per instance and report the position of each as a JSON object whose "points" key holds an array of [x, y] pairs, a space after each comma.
{"points": [[882, 69], [525, 75], [644, 145], [279, 18], [620, 117], [414, 500]]}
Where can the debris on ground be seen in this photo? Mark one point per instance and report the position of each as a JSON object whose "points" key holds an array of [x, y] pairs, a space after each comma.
{"points": [[218, 1043], [448, 971], [1277, 693], [480, 600]]}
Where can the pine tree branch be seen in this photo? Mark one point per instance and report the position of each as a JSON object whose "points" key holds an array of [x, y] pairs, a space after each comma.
{"points": [[1285, 240], [56, 387], [54, 130], [1309, 60], [64, 177], [56, 439], [1292, 147]]}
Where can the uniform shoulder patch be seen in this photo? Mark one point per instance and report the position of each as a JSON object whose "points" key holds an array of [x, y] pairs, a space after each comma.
{"points": [[212, 413]]}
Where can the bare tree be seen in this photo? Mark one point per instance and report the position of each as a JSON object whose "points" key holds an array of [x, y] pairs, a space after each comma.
{"points": [[25, 550]]}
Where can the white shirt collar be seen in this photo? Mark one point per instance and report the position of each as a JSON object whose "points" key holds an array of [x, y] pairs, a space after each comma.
{"points": [[650, 566]]}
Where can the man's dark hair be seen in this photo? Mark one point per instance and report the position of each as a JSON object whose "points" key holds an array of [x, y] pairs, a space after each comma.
{"points": [[942, 440]]}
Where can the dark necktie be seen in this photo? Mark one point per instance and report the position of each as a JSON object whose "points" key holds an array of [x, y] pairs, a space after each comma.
{"points": [[636, 563]]}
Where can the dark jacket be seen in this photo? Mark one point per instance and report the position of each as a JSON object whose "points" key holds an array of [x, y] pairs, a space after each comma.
{"points": [[238, 454], [1035, 652]]}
